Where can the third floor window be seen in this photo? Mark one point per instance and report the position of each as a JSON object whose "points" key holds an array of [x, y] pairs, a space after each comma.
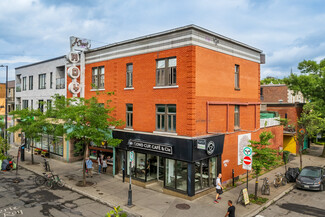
{"points": [[98, 77], [24, 83], [30, 83], [236, 76], [166, 72], [129, 75], [41, 81]]}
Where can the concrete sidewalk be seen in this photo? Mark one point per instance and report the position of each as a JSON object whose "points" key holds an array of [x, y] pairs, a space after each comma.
{"points": [[113, 192]]}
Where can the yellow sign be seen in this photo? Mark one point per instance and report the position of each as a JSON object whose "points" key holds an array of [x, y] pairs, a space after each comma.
{"points": [[246, 198]]}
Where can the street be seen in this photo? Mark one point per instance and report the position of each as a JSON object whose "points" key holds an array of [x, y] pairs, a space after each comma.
{"points": [[298, 203], [28, 200]]}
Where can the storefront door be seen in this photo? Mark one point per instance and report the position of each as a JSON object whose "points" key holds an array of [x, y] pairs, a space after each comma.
{"points": [[160, 169]]}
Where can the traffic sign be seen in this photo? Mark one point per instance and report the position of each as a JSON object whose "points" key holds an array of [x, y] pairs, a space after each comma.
{"points": [[132, 158], [247, 151], [247, 165]]}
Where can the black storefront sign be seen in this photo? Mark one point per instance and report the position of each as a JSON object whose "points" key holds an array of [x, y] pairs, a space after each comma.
{"points": [[165, 149]]}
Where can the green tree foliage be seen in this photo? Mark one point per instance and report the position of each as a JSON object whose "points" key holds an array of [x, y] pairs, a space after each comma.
{"points": [[86, 121], [264, 157], [311, 83], [269, 80], [4, 147], [31, 122]]}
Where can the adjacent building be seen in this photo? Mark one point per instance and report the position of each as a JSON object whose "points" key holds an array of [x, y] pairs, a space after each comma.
{"points": [[190, 100]]}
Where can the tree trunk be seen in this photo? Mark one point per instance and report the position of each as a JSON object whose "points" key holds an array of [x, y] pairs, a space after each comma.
{"points": [[256, 187], [32, 151], [323, 154], [84, 164], [300, 153]]}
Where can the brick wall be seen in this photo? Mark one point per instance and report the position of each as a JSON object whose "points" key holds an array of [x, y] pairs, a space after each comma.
{"points": [[293, 112], [275, 93]]}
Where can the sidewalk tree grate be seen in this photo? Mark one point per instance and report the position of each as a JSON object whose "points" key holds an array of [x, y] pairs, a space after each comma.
{"points": [[183, 206]]}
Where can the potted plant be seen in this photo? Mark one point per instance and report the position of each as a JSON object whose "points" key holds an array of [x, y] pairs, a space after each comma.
{"points": [[37, 151], [44, 153]]}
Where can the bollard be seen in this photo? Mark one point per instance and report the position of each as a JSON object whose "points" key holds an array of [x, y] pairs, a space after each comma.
{"points": [[233, 177]]}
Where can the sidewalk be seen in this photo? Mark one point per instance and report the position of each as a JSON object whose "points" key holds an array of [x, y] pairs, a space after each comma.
{"points": [[113, 192]]}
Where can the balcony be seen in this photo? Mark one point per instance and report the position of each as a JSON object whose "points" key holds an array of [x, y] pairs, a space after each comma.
{"points": [[60, 83], [268, 122], [18, 87]]}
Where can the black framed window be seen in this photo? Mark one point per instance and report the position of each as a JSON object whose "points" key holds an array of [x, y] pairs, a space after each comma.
{"points": [[166, 118], [30, 83], [24, 83], [237, 117], [166, 72], [51, 79], [41, 105], [41, 81], [98, 77], [25, 104], [129, 75], [49, 104], [129, 115], [236, 76], [176, 174]]}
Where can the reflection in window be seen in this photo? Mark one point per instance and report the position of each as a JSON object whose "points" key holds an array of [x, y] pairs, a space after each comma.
{"points": [[181, 171], [151, 168], [140, 166], [170, 173]]}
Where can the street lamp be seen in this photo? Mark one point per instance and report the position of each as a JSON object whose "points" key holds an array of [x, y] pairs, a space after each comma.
{"points": [[6, 103]]}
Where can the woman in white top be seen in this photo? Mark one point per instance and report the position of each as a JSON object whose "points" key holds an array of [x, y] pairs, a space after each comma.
{"points": [[104, 165]]}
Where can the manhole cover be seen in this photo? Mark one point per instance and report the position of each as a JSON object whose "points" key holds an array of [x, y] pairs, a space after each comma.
{"points": [[183, 206]]}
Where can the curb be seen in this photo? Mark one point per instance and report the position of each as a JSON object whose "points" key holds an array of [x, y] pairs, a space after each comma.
{"points": [[94, 198], [261, 208]]}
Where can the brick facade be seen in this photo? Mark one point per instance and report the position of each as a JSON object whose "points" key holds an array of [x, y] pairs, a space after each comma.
{"points": [[274, 93]]}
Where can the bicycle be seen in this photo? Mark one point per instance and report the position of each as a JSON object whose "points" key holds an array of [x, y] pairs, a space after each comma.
{"points": [[265, 190], [280, 179], [41, 180], [49, 180]]}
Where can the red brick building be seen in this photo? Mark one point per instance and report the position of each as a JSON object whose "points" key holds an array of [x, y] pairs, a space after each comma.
{"points": [[186, 95]]}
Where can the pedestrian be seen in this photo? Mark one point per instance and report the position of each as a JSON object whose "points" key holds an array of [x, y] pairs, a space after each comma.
{"points": [[218, 188], [104, 165], [231, 210], [89, 166], [100, 163]]}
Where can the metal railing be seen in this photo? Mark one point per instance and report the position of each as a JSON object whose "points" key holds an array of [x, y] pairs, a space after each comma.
{"points": [[268, 122]]}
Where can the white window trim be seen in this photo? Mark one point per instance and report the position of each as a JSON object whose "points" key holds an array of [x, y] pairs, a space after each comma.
{"points": [[129, 128], [165, 87], [163, 132], [129, 88], [97, 89]]}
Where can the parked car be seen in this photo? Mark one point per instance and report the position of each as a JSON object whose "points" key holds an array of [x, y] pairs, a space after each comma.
{"points": [[312, 178]]}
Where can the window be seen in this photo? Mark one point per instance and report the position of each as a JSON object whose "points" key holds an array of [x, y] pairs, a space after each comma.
{"points": [[41, 81], [129, 75], [166, 72], [25, 104], [98, 77], [31, 105], [176, 175], [49, 104], [41, 105], [30, 83], [236, 76], [129, 115], [237, 117], [24, 83], [166, 118], [51, 79]]}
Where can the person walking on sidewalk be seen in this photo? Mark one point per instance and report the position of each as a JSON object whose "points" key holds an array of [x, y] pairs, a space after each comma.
{"points": [[100, 163], [89, 166], [218, 188], [231, 210], [104, 165]]}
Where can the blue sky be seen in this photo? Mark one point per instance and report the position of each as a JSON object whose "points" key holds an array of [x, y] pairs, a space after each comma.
{"points": [[288, 31]]}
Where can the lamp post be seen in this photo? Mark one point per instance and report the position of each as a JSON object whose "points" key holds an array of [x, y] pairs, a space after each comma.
{"points": [[6, 103]]}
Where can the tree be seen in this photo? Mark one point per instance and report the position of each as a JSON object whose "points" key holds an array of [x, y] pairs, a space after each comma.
{"points": [[86, 121], [311, 83], [32, 123], [263, 157], [269, 80]]}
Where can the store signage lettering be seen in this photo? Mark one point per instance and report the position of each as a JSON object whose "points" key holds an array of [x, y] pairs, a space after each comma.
{"points": [[166, 149], [79, 44], [201, 144]]}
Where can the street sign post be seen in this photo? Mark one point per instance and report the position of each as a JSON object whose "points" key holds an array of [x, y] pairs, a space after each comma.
{"points": [[247, 161]]}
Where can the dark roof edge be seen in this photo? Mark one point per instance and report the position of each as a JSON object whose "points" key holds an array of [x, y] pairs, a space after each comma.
{"points": [[192, 26], [44, 61]]}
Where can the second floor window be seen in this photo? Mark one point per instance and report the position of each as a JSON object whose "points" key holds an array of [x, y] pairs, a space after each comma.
{"points": [[237, 117], [129, 115], [25, 104], [24, 83], [236, 76], [30, 83], [166, 72], [98, 77], [41, 81], [51, 79], [41, 105], [129, 75], [49, 104], [166, 118]]}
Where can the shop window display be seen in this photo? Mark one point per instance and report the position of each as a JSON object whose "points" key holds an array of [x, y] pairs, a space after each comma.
{"points": [[151, 168], [141, 166], [170, 173], [181, 175]]}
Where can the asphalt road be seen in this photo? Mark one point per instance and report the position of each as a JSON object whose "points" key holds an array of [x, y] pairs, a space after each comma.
{"points": [[298, 203], [25, 199]]}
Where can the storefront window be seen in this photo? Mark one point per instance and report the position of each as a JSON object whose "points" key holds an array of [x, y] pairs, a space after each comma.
{"points": [[198, 176], [205, 173], [181, 175], [128, 163], [213, 170], [151, 167], [51, 143], [170, 173], [141, 166], [45, 142]]}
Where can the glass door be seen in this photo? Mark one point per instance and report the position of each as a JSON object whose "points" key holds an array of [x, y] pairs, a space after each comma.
{"points": [[160, 168]]}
